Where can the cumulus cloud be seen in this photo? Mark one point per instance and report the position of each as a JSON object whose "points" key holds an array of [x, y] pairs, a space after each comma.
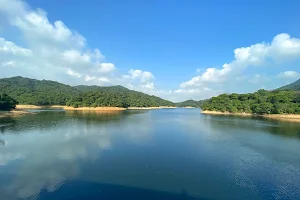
{"points": [[54, 51], [58, 53], [144, 78], [106, 67], [73, 73], [7, 47], [283, 47], [289, 75]]}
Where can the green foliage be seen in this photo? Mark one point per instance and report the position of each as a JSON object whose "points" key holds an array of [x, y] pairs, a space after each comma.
{"points": [[260, 102], [36, 92], [293, 86], [6, 102], [191, 103], [95, 96]]}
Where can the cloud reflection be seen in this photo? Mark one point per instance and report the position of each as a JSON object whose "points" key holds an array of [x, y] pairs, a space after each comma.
{"points": [[50, 151]]}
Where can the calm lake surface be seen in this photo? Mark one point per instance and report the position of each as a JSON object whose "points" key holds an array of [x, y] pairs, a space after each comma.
{"points": [[156, 154]]}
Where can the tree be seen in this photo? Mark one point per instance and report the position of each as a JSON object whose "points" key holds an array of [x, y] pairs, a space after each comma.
{"points": [[6, 102], [36, 92], [260, 102]]}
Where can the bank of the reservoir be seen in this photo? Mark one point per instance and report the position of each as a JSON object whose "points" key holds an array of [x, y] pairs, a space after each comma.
{"points": [[91, 108], [13, 113], [290, 117]]}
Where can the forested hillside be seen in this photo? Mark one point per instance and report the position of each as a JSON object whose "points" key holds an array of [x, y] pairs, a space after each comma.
{"points": [[191, 103], [37, 92], [44, 92], [115, 96], [260, 102], [293, 86]]}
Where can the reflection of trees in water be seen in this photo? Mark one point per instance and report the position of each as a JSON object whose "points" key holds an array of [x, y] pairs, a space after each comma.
{"points": [[259, 124], [49, 119]]}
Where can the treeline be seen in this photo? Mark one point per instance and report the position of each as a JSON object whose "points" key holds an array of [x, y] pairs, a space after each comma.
{"points": [[46, 93], [191, 103], [37, 92], [6, 102], [119, 98], [260, 102]]}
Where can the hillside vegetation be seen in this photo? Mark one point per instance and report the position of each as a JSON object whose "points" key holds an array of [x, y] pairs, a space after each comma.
{"points": [[190, 103], [44, 93], [260, 102], [95, 96], [36, 92], [293, 86]]}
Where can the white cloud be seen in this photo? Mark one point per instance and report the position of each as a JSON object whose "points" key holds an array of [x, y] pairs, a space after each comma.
{"points": [[73, 73], [89, 78], [139, 80], [56, 52], [149, 85], [74, 56], [107, 67], [51, 50], [282, 48], [103, 79], [143, 76], [288, 74], [7, 47]]}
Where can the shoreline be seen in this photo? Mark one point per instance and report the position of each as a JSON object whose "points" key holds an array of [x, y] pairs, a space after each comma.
{"points": [[150, 108], [289, 117], [14, 113], [91, 108]]}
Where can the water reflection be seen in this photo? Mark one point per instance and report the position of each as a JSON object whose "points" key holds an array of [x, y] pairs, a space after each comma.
{"points": [[167, 154], [254, 124], [50, 151]]}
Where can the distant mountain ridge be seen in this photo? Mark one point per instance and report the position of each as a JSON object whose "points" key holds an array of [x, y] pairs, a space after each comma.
{"points": [[191, 103], [293, 86], [46, 92]]}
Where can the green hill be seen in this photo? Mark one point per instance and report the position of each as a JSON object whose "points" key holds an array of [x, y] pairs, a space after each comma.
{"points": [[37, 92], [88, 88], [293, 86], [260, 102], [191, 103], [115, 96], [45, 92]]}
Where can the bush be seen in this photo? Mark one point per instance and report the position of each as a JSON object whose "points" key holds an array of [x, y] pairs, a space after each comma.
{"points": [[7, 103]]}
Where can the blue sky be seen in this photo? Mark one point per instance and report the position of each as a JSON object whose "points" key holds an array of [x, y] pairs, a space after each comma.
{"points": [[172, 49]]}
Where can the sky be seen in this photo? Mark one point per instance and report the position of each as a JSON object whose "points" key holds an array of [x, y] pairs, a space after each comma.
{"points": [[177, 50]]}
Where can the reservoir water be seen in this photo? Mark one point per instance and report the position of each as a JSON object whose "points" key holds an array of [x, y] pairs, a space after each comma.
{"points": [[156, 154]]}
